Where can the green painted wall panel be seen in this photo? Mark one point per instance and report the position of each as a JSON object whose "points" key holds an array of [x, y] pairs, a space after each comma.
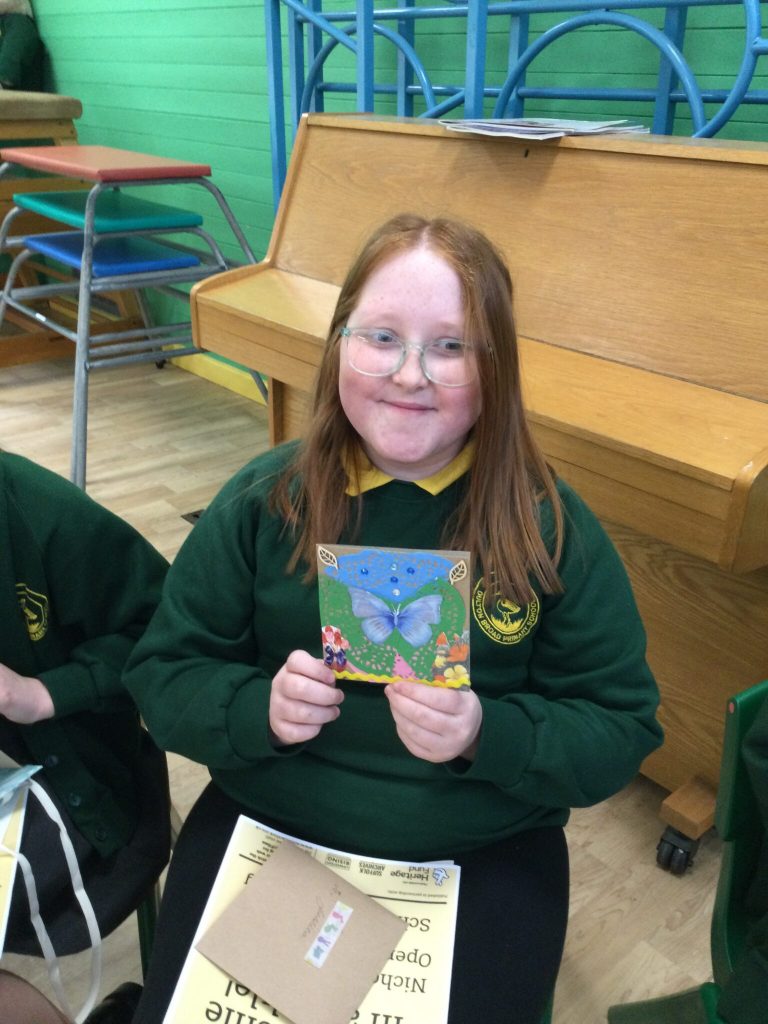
{"points": [[158, 78], [194, 51], [138, 8], [222, 20], [207, 132]]}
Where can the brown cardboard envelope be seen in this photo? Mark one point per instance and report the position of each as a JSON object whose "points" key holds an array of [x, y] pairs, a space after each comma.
{"points": [[303, 939]]}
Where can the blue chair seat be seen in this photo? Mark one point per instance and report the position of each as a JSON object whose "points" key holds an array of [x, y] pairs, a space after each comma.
{"points": [[115, 211], [111, 256]]}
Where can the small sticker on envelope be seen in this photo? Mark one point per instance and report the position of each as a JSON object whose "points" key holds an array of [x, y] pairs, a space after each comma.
{"points": [[326, 938]]}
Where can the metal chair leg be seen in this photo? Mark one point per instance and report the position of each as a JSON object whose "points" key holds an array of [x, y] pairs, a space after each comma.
{"points": [[82, 354]]}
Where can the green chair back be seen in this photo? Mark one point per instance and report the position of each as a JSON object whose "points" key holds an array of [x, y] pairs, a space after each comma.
{"points": [[739, 825], [741, 828]]}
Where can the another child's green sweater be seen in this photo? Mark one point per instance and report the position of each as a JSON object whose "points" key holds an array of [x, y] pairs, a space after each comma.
{"points": [[568, 700], [77, 587]]}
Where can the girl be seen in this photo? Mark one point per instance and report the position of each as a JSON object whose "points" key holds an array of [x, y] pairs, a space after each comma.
{"points": [[418, 440]]}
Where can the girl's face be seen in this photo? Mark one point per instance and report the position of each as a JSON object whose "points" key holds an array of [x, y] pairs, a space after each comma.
{"points": [[410, 428]]}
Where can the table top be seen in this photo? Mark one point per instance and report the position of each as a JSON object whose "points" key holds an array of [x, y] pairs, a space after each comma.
{"points": [[102, 163]]}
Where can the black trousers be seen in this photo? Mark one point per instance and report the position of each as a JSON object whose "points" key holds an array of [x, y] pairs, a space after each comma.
{"points": [[513, 910]]}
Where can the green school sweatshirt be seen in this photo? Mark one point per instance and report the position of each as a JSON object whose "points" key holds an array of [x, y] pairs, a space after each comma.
{"points": [[77, 587], [568, 700]]}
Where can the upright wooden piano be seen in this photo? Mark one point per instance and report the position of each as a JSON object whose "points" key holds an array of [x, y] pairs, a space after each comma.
{"points": [[641, 274]]}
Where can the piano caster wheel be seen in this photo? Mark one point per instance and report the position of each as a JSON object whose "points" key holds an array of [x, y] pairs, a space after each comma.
{"points": [[675, 851]]}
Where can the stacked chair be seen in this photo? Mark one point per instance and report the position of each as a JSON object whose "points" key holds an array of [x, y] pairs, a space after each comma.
{"points": [[115, 241]]}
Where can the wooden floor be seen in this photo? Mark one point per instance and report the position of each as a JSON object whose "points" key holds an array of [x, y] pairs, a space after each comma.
{"points": [[161, 444]]}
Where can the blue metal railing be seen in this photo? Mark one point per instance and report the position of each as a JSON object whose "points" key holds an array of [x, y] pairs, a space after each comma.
{"points": [[313, 35]]}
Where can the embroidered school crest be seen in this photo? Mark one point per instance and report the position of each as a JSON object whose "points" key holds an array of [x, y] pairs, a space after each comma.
{"points": [[503, 620], [34, 608]]}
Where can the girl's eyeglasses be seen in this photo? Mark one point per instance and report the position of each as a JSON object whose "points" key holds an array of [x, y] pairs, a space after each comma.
{"points": [[378, 352]]}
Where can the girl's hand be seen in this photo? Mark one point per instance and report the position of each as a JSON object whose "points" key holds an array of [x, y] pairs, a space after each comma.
{"points": [[303, 698], [436, 723], [23, 700]]}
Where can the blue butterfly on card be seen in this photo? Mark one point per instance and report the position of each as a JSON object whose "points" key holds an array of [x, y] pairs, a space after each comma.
{"points": [[379, 621]]}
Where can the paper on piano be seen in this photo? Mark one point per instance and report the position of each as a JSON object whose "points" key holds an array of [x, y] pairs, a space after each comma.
{"points": [[541, 128]]}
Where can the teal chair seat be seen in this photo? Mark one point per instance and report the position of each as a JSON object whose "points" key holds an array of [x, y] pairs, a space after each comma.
{"points": [[115, 211]]}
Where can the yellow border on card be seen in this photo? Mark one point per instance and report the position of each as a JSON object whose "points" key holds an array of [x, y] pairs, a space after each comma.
{"points": [[368, 677]]}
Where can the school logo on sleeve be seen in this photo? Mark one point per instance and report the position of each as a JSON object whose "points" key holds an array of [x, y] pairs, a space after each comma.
{"points": [[34, 607], [503, 620]]}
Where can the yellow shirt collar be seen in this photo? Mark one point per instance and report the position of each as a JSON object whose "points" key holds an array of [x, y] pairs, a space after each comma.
{"points": [[371, 477]]}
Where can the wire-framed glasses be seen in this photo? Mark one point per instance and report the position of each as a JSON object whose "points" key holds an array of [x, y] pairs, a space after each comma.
{"points": [[378, 352]]}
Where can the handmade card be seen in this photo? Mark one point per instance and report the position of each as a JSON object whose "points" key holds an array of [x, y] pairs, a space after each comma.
{"points": [[323, 941], [395, 614]]}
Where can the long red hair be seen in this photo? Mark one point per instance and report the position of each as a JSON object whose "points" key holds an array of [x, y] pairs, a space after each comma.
{"points": [[498, 519]]}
